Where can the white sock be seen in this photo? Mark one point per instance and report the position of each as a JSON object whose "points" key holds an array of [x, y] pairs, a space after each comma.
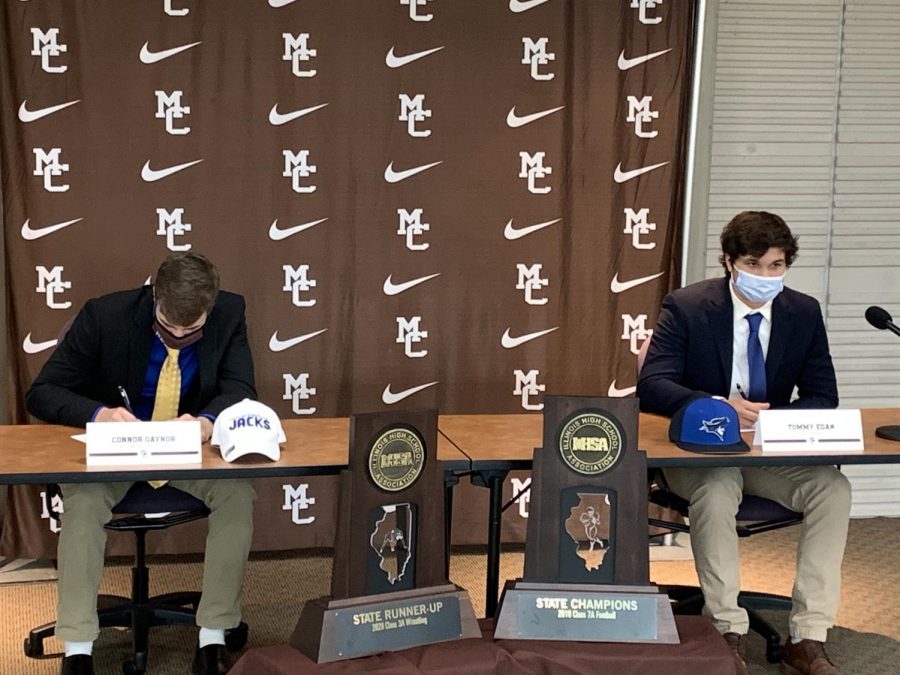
{"points": [[211, 636], [73, 648]]}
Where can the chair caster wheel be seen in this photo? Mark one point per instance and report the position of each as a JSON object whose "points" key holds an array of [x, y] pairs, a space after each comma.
{"points": [[137, 666], [774, 653], [34, 648], [236, 638]]}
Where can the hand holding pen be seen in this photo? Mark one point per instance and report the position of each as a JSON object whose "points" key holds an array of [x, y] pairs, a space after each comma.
{"points": [[123, 413], [747, 410]]}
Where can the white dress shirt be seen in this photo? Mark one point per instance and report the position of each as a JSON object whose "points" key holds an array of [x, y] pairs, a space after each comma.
{"points": [[740, 368]]}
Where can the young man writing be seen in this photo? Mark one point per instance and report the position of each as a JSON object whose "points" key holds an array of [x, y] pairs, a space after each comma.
{"points": [[176, 350], [748, 339]]}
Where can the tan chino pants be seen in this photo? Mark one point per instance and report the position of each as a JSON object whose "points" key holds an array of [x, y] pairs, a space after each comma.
{"points": [[82, 542], [821, 493]]}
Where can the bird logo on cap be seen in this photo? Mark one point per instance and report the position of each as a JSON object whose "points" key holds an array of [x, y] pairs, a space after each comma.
{"points": [[715, 426]]}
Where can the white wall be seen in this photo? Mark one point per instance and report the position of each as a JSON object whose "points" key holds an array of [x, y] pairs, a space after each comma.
{"points": [[800, 115]]}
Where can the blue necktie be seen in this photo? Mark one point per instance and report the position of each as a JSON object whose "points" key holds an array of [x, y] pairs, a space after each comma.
{"points": [[756, 360]]}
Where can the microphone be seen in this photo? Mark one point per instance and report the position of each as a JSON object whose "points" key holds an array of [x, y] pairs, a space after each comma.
{"points": [[881, 319]]}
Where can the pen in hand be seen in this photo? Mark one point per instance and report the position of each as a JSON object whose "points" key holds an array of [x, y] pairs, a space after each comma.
{"points": [[124, 395], [736, 386]]}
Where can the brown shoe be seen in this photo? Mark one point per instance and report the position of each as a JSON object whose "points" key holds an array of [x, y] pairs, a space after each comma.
{"points": [[738, 644], [807, 657]]}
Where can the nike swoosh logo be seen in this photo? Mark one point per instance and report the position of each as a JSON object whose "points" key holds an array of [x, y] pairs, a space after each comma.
{"points": [[390, 288], [149, 57], [280, 3], [151, 175], [510, 342], [617, 286], [31, 233], [34, 347], [619, 393], [26, 115], [277, 345], [276, 234], [392, 176], [519, 6], [515, 121], [394, 61], [513, 233], [622, 176], [390, 398], [277, 119], [625, 64]]}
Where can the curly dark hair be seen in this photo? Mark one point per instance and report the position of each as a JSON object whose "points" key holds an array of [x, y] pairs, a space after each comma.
{"points": [[754, 233]]}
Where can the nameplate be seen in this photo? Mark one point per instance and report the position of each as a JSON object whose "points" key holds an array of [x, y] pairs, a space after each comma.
{"points": [[141, 443], [593, 617], [389, 626], [809, 431]]}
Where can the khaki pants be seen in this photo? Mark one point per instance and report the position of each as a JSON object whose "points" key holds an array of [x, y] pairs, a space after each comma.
{"points": [[82, 542], [821, 493]]}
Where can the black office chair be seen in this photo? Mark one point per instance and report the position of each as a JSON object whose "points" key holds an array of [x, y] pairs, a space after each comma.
{"points": [[140, 612], [755, 515]]}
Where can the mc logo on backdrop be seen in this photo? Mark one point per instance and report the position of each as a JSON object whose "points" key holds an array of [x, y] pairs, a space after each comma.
{"points": [[297, 52], [50, 283], [532, 169], [411, 226], [296, 500], [526, 387], [170, 109], [297, 167], [530, 282], [47, 164], [521, 490], [297, 390], [637, 225], [413, 111], [635, 331], [47, 46], [296, 282], [171, 225], [409, 333], [536, 55]]}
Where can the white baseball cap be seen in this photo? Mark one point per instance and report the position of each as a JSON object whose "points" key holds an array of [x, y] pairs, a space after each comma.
{"points": [[248, 428]]}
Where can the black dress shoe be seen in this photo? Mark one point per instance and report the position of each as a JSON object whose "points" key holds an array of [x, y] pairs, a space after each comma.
{"points": [[78, 664], [212, 660]]}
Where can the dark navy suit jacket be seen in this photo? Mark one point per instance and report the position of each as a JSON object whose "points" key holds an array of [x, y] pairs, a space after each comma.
{"points": [[109, 344], [691, 351]]}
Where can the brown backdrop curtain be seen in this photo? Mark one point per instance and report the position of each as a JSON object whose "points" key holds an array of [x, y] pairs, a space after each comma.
{"points": [[427, 141]]}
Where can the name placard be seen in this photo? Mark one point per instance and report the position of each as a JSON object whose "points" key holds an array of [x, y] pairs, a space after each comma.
{"points": [[141, 443], [809, 431]]}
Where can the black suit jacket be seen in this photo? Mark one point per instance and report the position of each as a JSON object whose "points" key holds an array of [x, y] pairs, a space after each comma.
{"points": [[691, 351], [109, 345]]}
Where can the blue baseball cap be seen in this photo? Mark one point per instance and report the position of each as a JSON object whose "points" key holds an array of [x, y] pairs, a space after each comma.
{"points": [[707, 425]]}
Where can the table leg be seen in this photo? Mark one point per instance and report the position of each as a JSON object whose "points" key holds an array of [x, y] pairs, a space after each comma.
{"points": [[493, 480]]}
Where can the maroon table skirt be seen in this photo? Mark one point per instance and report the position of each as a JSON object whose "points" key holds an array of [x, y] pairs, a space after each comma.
{"points": [[701, 652]]}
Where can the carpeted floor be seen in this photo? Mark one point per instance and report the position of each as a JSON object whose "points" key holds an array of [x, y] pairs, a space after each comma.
{"points": [[866, 643]]}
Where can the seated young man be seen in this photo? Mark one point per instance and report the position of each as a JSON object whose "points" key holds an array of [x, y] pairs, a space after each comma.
{"points": [[748, 339], [176, 350]]}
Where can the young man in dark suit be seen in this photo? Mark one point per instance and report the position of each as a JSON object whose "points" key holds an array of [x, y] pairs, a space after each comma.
{"points": [[176, 350], [748, 339]]}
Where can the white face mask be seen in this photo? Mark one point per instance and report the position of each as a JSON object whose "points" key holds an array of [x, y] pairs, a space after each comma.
{"points": [[757, 288]]}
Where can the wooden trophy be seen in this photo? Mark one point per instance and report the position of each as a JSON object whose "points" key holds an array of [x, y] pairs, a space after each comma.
{"points": [[389, 584], [587, 568]]}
